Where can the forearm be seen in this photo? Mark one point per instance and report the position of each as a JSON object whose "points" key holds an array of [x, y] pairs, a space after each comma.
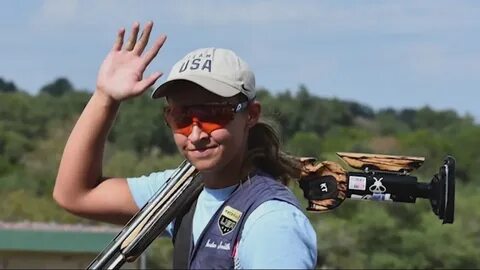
{"points": [[81, 165], [80, 187]]}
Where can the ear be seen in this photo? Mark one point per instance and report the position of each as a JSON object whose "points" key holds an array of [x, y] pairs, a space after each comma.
{"points": [[254, 110]]}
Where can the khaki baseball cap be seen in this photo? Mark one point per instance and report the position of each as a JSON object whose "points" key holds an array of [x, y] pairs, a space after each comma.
{"points": [[218, 70]]}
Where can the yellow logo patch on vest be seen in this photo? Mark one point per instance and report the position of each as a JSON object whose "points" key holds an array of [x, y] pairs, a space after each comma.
{"points": [[228, 219]]}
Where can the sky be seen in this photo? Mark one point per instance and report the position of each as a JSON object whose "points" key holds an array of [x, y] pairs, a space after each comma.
{"points": [[399, 54]]}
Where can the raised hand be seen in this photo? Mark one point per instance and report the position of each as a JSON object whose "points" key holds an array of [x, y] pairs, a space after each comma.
{"points": [[121, 73]]}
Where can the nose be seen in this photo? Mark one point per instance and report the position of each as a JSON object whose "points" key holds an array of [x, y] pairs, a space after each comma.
{"points": [[197, 133]]}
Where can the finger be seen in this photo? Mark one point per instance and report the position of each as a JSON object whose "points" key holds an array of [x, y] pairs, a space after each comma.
{"points": [[143, 40], [148, 57], [133, 37], [144, 84], [119, 41]]}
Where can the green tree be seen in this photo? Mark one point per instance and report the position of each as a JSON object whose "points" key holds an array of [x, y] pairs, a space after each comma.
{"points": [[140, 126], [7, 87], [58, 87], [305, 144]]}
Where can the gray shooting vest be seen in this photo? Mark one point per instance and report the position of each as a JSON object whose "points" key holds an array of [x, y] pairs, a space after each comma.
{"points": [[216, 246]]}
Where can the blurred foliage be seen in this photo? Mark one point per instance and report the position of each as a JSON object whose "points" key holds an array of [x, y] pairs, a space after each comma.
{"points": [[359, 234], [57, 88], [7, 86]]}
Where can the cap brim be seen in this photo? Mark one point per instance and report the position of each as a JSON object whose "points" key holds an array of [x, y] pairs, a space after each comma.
{"points": [[212, 85]]}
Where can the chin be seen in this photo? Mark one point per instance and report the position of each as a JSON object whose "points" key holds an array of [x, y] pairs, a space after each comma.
{"points": [[205, 161], [205, 165]]}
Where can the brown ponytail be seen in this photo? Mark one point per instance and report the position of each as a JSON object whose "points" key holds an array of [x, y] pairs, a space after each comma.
{"points": [[264, 153]]}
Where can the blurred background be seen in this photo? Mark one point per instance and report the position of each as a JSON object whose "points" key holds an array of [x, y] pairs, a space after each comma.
{"points": [[385, 77]]}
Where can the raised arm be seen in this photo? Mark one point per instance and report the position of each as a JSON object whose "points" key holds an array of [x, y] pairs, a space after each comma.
{"points": [[80, 186]]}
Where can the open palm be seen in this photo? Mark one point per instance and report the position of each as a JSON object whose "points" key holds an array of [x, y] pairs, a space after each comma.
{"points": [[121, 73]]}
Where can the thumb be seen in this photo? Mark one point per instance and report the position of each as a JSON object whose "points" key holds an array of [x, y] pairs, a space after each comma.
{"points": [[144, 84]]}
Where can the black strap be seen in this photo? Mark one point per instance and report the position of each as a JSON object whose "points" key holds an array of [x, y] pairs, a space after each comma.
{"points": [[182, 238]]}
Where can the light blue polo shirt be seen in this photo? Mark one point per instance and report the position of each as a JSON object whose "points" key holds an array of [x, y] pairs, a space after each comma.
{"points": [[275, 235]]}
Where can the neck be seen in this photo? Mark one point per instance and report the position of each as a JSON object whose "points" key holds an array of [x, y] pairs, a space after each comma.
{"points": [[216, 180]]}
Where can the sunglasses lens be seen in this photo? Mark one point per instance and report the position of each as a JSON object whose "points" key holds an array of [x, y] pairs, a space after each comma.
{"points": [[221, 115], [209, 127], [177, 118]]}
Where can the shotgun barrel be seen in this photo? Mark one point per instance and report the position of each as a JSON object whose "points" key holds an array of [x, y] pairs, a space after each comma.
{"points": [[179, 191]]}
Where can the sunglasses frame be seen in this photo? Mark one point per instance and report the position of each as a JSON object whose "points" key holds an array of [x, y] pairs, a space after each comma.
{"points": [[189, 112]]}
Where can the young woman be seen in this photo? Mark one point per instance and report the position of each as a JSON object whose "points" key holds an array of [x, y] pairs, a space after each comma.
{"points": [[245, 217]]}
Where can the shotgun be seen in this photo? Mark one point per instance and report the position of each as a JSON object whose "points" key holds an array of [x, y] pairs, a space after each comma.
{"points": [[325, 185]]}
